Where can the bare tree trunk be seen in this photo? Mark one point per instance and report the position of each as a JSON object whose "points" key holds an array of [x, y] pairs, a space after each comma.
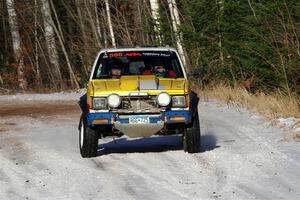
{"points": [[71, 72], [123, 27], [50, 41], [139, 24], [155, 15], [105, 38], [51, 27], [73, 79], [146, 10], [85, 47], [46, 61], [1, 80], [175, 24], [252, 9], [98, 26], [92, 23], [36, 51], [220, 3], [5, 34], [296, 35], [112, 36], [103, 25], [57, 21], [16, 39], [60, 37]]}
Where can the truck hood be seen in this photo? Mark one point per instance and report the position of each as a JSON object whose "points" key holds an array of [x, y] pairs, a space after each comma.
{"points": [[146, 83]]}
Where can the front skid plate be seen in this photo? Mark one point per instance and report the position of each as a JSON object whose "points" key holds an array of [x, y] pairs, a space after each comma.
{"points": [[139, 130]]}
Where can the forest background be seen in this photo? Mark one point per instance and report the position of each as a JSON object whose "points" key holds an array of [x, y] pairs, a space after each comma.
{"points": [[253, 44]]}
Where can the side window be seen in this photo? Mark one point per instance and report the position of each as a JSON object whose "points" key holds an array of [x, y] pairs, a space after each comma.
{"points": [[177, 68], [98, 73], [98, 68]]}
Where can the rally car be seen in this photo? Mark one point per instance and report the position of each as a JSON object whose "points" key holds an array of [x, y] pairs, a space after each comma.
{"points": [[138, 92]]}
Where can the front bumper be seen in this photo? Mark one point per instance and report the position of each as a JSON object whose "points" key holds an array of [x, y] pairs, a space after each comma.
{"points": [[167, 117]]}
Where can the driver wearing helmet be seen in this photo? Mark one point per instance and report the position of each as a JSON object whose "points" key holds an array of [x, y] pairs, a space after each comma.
{"points": [[116, 71]]}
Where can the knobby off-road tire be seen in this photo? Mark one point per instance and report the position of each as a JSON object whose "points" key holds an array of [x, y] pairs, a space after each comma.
{"points": [[88, 139], [192, 137]]}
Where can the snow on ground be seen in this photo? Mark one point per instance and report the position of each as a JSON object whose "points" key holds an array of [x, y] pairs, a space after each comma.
{"points": [[243, 157]]}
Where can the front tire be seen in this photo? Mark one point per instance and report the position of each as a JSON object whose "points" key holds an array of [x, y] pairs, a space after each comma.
{"points": [[88, 139], [191, 138]]}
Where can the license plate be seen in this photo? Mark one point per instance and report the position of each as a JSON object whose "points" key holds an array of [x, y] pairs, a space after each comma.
{"points": [[139, 119]]}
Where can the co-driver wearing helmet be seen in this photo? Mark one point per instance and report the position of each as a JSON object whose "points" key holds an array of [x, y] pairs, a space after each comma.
{"points": [[160, 71]]}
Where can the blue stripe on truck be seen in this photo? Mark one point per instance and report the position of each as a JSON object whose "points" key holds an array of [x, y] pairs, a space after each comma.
{"points": [[167, 115]]}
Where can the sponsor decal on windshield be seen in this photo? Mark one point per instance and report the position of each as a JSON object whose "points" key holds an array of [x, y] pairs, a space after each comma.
{"points": [[156, 54], [131, 54], [137, 54]]}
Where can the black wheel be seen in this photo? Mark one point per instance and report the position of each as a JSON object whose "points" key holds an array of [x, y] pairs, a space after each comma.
{"points": [[191, 138], [88, 139]]}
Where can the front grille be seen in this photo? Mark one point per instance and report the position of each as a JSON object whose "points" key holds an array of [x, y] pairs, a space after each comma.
{"points": [[139, 105]]}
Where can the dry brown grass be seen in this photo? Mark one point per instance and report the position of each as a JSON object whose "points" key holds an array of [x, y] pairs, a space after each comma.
{"points": [[270, 106]]}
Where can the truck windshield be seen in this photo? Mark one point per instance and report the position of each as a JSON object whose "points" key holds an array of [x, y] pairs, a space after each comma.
{"points": [[163, 64]]}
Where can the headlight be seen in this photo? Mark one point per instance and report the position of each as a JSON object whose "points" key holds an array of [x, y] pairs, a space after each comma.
{"points": [[99, 103], [163, 99], [114, 100], [178, 101]]}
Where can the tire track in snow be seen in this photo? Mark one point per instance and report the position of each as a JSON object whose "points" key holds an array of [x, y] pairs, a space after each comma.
{"points": [[135, 176]]}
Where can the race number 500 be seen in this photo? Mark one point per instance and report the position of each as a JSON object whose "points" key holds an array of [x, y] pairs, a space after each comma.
{"points": [[111, 55]]}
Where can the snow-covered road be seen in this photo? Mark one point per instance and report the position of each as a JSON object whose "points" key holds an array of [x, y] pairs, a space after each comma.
{"points": [[244, 158]]}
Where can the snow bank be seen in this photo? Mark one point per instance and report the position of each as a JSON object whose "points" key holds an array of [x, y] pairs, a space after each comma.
{"points": [[292, 124], [288, 122], [59, 96]]}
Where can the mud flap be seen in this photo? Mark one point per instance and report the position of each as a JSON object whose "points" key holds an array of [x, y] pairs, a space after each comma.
{"points": [[83, 104], [194, 100]]}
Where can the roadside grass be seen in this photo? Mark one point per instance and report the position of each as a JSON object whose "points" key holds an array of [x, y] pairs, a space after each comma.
{"points": [[271, 106]]}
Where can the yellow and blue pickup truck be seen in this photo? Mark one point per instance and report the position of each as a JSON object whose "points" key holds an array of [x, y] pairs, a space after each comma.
{"points": [[138, 92]]}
